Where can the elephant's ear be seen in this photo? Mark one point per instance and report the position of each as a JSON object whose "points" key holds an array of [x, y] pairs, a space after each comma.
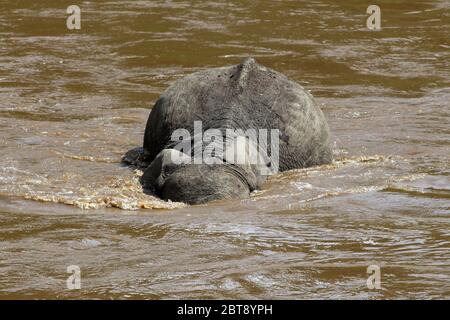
{"points": [[164, 164], [157, 130], [257, 164]]}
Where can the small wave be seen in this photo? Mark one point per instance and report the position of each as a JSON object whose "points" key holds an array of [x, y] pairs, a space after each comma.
{"points": [[88, 158], [337, 164], [331, 193], [417, 192], [126, 192], [311, 184], [123, 193], [422, 185], [97, 202]]}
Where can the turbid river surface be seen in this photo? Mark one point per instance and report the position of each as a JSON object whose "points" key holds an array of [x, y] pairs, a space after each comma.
{"points": [[73, 101]]}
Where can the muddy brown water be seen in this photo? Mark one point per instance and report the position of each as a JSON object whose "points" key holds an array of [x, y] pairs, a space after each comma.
{"points": [[73, 101]]}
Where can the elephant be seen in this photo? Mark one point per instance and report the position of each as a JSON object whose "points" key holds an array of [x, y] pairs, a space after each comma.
{"points": [[229, 102]]}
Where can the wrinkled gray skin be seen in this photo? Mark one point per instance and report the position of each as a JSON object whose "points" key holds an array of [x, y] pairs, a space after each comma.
{"points": [[244, 96]]}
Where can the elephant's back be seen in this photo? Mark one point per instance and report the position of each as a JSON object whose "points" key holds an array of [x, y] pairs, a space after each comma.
{"points": [[245, 96]]}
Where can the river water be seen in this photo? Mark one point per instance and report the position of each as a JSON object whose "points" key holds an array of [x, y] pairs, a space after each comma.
{"points": [[73, 101]]}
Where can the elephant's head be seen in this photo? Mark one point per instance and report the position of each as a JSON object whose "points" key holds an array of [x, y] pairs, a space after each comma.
{"points": [[173, 176]]}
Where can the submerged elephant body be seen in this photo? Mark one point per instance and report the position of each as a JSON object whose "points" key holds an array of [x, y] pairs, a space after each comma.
{"points": [[233, 99]]}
